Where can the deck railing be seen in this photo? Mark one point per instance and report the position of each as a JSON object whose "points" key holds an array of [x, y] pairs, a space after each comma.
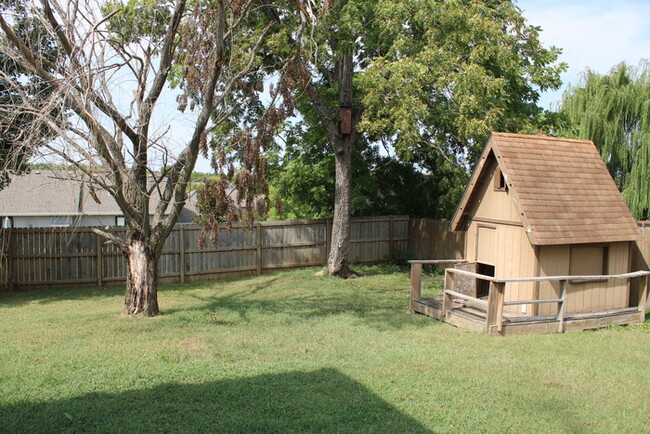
{"points": [[416, 273], [496, 296]]}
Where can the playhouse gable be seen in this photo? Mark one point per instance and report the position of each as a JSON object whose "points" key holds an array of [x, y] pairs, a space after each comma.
{"points": [[560, 190]]}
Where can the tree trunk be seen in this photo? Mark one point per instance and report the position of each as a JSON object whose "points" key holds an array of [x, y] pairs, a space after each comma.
{"points": [[141, 296], [338, 260]]}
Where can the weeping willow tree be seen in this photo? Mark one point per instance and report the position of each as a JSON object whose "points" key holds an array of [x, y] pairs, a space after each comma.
{"points": [[613, 111]]}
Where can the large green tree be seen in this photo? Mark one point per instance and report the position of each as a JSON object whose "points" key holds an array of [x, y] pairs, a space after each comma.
{"points": [[302, 182], [613, 110], [429, 78]]}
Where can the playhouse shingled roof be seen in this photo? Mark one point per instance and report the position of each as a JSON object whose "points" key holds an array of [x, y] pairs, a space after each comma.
{"points": [[561, 188]]}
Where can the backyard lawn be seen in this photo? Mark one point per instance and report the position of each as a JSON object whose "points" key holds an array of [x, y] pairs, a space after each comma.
{"points": [[296, 352]]}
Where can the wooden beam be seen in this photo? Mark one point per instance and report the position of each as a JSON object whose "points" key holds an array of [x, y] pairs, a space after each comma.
{"points": [[416, 282], [10, 260], [643, 293], [328, 239], [561, 305], [437, 261], [501, 295], [99, 246], [325, 242], [181, 255], [594, 278], [447, 300], [494, 318], [258, 245], [469, 300], [544, 300], [490, 317], [391, 235]]}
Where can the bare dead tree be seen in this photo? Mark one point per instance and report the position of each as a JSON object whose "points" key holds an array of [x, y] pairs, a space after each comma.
{"points": [[105, 83]]}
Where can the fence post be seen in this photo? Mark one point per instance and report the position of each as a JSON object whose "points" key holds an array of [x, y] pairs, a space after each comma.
{"points": [[258, 244], [501, 296], [561, 307], [643, 292], [6, 244], [391, 235], [100, 260], [328, 240], [10, 261], [494, 317], [447, 300], [416, 282], [181, 254]]}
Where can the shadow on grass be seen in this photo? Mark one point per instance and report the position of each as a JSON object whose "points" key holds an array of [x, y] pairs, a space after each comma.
{"points": [[45, 296], [318, 401]]}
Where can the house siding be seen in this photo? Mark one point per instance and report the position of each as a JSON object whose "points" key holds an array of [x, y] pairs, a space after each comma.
{"points": [[589, 296], [496, 237]]}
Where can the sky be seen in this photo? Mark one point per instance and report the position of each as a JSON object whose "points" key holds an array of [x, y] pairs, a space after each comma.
{"points": [[596, 34]]}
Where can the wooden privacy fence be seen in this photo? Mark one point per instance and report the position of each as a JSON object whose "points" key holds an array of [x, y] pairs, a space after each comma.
{"points": [[49, 257], [431, 239]]}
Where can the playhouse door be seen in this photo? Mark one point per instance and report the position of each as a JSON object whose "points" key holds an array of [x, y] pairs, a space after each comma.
{"points": [[486, 253], [486, 245]]}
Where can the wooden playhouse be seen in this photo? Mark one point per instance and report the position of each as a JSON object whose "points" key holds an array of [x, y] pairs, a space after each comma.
{"points": [[548, 243]]}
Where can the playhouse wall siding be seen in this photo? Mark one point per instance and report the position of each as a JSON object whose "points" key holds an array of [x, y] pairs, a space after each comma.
{"points": [[516, 258], [584, 297], [503, 241], [512, 256], [494, 205]]}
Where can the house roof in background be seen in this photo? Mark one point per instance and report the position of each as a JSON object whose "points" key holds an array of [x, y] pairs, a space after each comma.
{"points": [[561, 188], [59, 193]]}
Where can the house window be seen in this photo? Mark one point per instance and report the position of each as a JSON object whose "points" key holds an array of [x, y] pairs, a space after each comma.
{"points": [[7, 222], [499, 181], [61, 222], [119, 221]]}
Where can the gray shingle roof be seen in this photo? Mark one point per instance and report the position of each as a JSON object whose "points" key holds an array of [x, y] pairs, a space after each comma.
{"points": [[57, 193]]}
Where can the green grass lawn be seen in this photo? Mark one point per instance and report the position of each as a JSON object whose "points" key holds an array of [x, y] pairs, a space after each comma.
{"points": [[295, 352]]}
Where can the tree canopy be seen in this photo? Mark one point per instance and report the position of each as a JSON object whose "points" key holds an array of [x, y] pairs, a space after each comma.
{"points": [[431, 79], [613, 110], [443, 75]]}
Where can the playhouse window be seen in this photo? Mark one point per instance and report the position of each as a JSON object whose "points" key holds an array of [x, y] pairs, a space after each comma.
{"points": [[500, 181], [589, 260]]}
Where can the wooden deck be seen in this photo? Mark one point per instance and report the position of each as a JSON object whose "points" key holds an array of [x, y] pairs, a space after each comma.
{"points": [[474, 318], [488, 315]]}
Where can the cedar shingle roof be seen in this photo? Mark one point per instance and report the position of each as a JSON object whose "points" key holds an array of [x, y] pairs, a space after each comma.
{"points": [[561, 188]]}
